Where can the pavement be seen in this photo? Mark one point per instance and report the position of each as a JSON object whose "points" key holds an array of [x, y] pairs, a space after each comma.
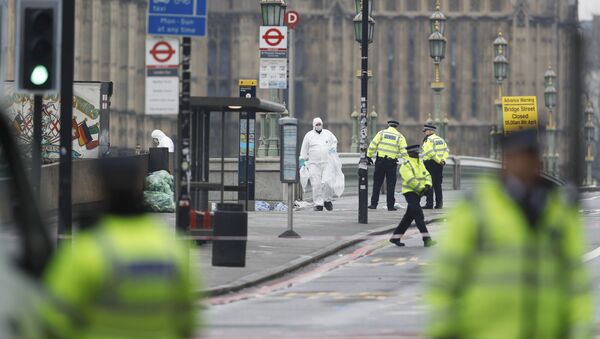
{"points": [[322, 234]]}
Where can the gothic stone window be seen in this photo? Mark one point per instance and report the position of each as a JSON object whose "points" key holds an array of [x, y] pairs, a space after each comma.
{"points": [[411, 95], [454, 5], [412, 5], [498, 5], [475, 5], [219, 59]]}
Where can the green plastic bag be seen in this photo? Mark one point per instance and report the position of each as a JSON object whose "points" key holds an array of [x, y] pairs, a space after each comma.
{"points": [[159, 181], [159, 202]]}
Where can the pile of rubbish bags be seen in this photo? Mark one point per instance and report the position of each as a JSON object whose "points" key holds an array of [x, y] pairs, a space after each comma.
{"points": [[333, 179], [158, 192], [263, 206]]}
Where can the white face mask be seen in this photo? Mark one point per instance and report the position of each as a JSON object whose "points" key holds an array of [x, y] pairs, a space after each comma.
{"points": [[318, 128]]}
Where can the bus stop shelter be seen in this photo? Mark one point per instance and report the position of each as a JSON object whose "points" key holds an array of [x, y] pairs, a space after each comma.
{"points": [[202, 140]]}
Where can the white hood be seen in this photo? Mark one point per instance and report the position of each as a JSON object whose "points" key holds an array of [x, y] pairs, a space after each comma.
{"points": [[163, 140], [316, 121]]}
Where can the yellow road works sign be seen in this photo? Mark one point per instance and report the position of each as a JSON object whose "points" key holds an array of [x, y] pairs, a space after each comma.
{"points": [[519, 113]]}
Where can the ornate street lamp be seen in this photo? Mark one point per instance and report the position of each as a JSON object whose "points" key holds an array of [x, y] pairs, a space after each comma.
{"points": [[358, 28], [437, 52], [550, 103], [550, 97], [358, 6], [549, 76], [500, 74], [273, 12], [437, 20], [500, 45], [590, 136]]}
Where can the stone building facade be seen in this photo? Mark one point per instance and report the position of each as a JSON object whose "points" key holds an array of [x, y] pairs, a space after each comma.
{"points": [[110, 37]]}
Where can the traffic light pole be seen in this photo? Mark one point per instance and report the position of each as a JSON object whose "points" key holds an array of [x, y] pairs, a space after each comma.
{"points": [[66, 114], [363, 173], [36, 147]]}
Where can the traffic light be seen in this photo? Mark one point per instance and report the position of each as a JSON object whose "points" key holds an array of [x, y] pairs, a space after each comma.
{"points": [[38, 46]]}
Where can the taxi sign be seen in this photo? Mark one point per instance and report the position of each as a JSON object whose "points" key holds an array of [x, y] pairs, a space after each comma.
{"points": [[519, 113]]}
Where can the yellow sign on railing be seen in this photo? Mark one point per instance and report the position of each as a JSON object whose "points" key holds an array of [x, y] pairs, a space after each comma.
{"points": [[519, 113]]}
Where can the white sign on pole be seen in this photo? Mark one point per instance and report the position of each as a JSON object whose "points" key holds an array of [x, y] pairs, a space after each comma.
{"points": [[273, 38], [162, 76], [273, 73]]}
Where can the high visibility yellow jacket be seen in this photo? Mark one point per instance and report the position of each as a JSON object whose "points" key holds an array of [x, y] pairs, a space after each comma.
{"points": [[435, 148], [414, 175], [388, 143], [497, 277], [128, 278]]}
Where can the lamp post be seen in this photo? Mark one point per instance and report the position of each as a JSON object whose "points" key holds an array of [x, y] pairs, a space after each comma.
{"points": [[590, 136], [500, 74], [551, 162], [273, 14], [364, 26], [437, 52]]}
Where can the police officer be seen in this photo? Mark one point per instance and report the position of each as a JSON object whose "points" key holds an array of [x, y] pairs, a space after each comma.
{"points": [[388, 144], [510, 265], [124, 277], [435, 154], [416, 182]]}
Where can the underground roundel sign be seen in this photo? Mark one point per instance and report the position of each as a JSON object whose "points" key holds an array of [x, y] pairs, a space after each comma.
{"points": [[273, 38], [162, 53]]}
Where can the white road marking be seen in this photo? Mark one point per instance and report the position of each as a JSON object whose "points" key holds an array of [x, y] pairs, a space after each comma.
{"points": [[591, 198], [591, 255]]}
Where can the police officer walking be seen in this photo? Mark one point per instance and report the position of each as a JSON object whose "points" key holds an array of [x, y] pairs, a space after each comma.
{"points": [[435, 154], [388, 144], [416, 182]]}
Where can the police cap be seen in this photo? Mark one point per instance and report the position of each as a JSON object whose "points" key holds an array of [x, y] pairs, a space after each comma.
{"points": [[394, 123], [522, 141], [413, 148], [429, 127]]}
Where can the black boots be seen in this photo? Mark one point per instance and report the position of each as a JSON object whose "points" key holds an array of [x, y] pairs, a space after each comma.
{"points": [[328, 205], [372, 207], [397, 242], [318, 208]]}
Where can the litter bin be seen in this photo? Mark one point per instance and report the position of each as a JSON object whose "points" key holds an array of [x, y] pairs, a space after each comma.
{"points": [[230, 220], [158, 159]]}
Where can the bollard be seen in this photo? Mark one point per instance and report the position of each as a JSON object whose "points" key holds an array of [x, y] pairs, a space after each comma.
{"points": [[354, 147], [456, 174], [230, 220]]}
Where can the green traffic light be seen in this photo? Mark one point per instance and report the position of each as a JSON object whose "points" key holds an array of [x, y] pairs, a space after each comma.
{"points": [[39, 76]]}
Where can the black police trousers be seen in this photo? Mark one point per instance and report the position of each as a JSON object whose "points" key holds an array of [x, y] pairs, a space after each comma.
{"points": [[385, 168], [436, 171], [413, 212]]}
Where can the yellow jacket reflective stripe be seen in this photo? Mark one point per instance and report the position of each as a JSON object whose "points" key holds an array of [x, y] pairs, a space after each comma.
{"points": [[388, 143], [494, 277], [414, 175], [127, 278], [435, 148]]}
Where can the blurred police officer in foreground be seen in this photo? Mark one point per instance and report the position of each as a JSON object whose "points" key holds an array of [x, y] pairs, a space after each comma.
{"points": [[389, 144], [125, 277], [416, 182], [435, 154], [510, 265]]}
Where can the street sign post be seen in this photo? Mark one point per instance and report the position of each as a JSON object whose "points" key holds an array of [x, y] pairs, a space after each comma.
{"points": [[162, 76], [247, 156], [288, 167], [177, 17], [273, 57], [519, 112]]}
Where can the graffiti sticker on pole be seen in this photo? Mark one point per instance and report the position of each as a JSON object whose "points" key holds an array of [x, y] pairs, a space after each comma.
{"points": [[519, 113]]}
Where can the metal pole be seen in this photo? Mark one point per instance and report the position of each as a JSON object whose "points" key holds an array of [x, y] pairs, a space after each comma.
{"points": [[36, 147], [223, 156], [183, 145], [290, 199], [363, 178], [291, 88], [66, 114]]}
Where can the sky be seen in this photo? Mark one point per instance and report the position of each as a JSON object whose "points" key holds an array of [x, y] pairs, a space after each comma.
{"points": [[587, 8]]}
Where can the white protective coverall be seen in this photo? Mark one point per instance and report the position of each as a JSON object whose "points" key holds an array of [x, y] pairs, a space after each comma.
{"points": [[160, 139], [315, 151]]}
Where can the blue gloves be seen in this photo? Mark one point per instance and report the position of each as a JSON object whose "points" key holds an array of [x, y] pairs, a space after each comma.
{"points": [[301, 162]]}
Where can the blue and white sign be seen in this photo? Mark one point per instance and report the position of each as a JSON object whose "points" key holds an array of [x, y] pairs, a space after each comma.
{"points": [[177, 17]]}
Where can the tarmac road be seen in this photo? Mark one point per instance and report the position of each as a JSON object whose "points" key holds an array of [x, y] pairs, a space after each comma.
{"points": [[374, 290]]}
